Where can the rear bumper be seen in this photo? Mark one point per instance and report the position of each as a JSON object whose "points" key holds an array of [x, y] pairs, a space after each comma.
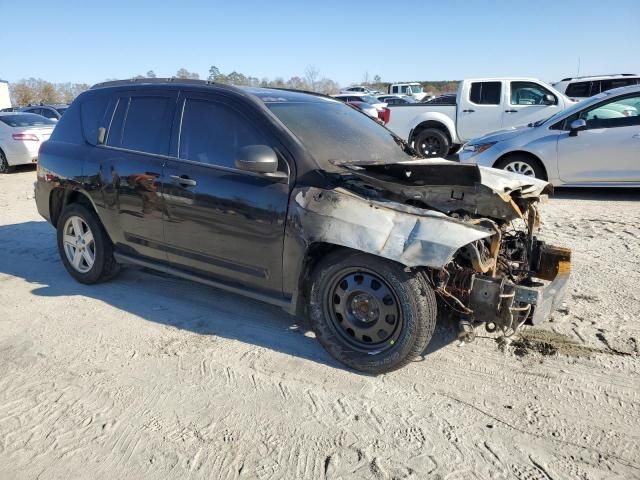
{"points": [[502, 302], [22, 158], [42, 192]]}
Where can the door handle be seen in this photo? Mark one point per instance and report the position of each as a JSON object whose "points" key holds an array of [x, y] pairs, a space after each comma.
{"points": [[637, 135], [470, 110], [183, 180], [511, 111]]}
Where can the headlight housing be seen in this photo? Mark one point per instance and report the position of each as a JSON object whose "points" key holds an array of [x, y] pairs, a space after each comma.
{"points": [[477, 148]]}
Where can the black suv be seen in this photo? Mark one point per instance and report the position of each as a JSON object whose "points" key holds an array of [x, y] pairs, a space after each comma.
{"points": [[297, 200]]}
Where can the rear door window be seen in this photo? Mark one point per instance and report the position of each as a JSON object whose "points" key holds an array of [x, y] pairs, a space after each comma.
{"points": [[486, 93], [142, 123]]}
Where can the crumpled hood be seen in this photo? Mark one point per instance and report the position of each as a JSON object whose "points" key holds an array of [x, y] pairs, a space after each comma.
{"points": [[450, 187], [503, 182]]}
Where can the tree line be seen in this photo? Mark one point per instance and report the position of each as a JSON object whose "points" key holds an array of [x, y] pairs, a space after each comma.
{"points": [[36, 90]]}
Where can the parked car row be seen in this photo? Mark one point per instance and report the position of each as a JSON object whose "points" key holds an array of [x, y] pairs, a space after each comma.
{"points": [[53, 112], [481, 106], [21, 135], [367, 104], [22, 130], [592, 143]]}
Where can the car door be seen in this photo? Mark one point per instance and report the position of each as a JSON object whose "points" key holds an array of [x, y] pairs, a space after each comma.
{"points": [[127, 169], [480, 111], [527, 102], [221, 221], [608, 150]]}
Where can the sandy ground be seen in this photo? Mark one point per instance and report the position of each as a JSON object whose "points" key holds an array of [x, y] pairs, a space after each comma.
{"points": [[154, 377]]}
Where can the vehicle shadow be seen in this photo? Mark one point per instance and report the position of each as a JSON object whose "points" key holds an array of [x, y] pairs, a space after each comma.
{"points": [[604, 194], [28, 251]]}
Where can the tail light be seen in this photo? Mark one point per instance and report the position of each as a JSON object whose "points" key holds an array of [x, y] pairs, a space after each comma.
{"points": [[384, 114], [25, 137]]}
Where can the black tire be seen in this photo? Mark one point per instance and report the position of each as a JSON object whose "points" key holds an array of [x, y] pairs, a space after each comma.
{"points": [[524, 163], [412, 330], [104, 266], [431, 143], [4, 164]]}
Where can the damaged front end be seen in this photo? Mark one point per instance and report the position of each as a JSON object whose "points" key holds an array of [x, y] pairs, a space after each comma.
{"points": [[470, 230], [512, 279]]}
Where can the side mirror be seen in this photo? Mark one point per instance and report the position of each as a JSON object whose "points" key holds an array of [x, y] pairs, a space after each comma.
{"points": [[257, 159], [577, 125], [549, 99]]}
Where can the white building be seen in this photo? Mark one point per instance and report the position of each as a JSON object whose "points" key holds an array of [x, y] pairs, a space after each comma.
{"points": [[5, 101]]}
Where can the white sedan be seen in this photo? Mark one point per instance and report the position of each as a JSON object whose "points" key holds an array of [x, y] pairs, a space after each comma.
{"points": [[20, 137]]}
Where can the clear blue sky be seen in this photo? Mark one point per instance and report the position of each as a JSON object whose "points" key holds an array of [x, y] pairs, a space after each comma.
{"points": [[86, 41]]}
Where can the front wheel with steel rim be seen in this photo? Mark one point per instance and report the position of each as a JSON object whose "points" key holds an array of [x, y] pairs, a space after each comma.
{"points": [[521, 164], [85, 249], [368, 312]]}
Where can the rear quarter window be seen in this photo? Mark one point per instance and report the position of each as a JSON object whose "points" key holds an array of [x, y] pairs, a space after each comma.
{"points": [[92, 111]]}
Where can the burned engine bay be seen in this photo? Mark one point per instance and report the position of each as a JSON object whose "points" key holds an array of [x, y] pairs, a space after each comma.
{"points": [[471, 231]]}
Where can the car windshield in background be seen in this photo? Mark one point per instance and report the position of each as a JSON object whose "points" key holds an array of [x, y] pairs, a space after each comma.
{"points": [[334, 131], [415, 88], [369, 99], [567, 112], [61, 110], [26, 120]]}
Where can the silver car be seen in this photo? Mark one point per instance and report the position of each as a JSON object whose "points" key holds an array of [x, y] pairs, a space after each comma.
{"points": [[594, 143]]}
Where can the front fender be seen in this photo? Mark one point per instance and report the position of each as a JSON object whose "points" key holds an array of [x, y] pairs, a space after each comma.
{"points": [[408, 235]]}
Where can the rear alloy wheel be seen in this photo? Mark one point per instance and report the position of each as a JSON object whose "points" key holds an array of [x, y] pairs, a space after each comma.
{"points": [[79, 244], [85, 248], [522, 165], [431, 143], [370, 313], [4, 164]]}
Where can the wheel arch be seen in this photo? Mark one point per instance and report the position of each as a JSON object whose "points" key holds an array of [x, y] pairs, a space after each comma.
{"points": [[61, 197], [523, 153], [435, 124]]}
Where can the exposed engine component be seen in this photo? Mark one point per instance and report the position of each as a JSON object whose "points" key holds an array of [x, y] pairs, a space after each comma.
{"points": [[497, 280]]}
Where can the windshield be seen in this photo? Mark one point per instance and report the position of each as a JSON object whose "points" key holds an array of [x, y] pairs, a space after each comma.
{"points": [[369, 99], [25, 120], [334, 131], [61, 110], [567, 112], [415, 88]]}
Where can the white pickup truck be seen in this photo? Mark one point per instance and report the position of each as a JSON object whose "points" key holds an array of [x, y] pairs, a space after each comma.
{"points": [[483, 105]]}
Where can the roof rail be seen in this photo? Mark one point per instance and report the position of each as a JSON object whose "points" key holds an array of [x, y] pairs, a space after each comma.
{"points": [[115, 83], [308, 92], [606, 75]]}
